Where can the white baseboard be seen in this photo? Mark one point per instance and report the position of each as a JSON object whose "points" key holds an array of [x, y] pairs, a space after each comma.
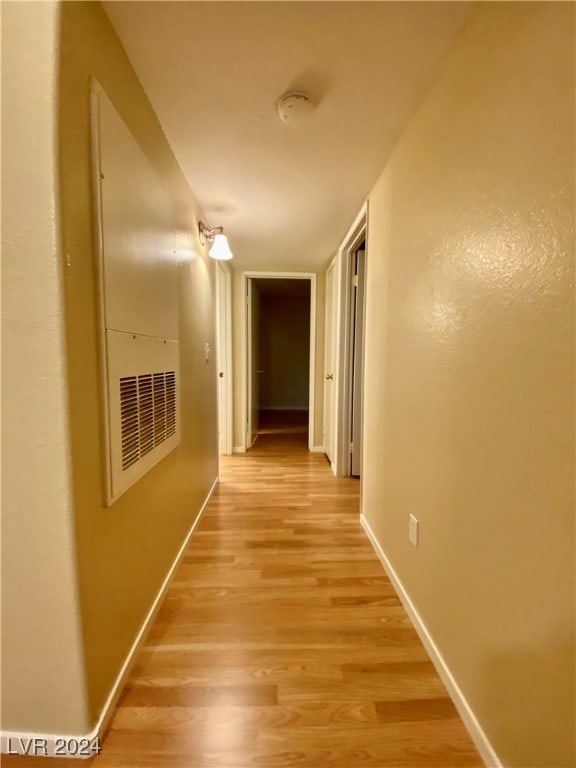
{"points": [[238, 449], [301, 408], [470, 720], [78, 746], [318, 449]]}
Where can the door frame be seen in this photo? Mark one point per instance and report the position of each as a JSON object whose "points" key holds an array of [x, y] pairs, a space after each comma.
{"points": [[311, 276], [357, 232], [251, 429], [224, 356]]}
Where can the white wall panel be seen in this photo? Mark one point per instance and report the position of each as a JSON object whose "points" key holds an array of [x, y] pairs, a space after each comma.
{"points": [[139, 303], [138, 235]]}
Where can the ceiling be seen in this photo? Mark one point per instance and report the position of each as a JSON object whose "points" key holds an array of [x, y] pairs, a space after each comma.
{"points": [[214, 71]]}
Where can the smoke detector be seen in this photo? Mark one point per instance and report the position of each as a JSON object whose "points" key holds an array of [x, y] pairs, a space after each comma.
{"points": [[295, 107]]}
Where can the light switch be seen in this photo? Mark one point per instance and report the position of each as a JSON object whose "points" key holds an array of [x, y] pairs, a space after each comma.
{"points": [[414, 533]]}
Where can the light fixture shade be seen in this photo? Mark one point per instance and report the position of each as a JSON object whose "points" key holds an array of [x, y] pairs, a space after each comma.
{"points": [[220, 249]]}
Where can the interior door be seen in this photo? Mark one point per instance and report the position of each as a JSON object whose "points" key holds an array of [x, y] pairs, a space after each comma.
{"points": [[252, 323], [329, 364], [357, 337], [223, 338]]}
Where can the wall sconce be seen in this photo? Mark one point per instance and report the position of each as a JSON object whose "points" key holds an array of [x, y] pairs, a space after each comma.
{"points": [[220, 249]]}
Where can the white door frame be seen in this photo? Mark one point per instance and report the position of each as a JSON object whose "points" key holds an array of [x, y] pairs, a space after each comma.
{"points": [[356, 233], [224, 356], [245, 371]]}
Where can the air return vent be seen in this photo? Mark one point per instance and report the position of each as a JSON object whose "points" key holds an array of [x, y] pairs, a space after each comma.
{"points": [[147, 413], [143, 406]]}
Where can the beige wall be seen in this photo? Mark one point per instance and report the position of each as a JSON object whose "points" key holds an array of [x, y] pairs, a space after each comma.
{"points": [[124, 551], [41, 634], [469, 397]]}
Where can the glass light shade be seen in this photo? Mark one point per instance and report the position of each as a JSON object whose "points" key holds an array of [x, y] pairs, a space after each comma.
{"points": [[220, 249]]}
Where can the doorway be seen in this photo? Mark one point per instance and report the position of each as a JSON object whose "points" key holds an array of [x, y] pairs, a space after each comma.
{"points": [[348, 313], [279, 360], [356, 357]]}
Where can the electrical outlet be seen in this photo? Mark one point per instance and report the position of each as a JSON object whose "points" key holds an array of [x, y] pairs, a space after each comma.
{"points": [[414, 530]]}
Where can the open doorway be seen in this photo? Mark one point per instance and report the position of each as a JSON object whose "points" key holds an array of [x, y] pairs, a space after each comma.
{"points": [[346, 321], [283, 355], [280, 354], [356, 357]]}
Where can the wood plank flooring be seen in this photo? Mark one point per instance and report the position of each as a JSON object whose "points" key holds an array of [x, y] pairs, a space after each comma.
{"points": [[281, 642]]}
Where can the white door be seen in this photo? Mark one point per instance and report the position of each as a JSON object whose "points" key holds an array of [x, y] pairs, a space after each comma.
{"points": [[224, 358], [252, 323], [329, 363]]}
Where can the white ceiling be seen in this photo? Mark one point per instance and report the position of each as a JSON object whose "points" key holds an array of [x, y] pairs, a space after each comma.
{"points": [[214, 72]]}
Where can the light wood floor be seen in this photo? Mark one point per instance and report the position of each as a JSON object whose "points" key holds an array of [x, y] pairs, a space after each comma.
{"points": [[281, 642]]}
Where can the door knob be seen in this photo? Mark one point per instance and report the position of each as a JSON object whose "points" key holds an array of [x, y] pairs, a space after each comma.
{"points": [[329, 376]]}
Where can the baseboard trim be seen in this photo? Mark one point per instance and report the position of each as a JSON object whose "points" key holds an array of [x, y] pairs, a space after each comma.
{"points": [[470, 720], [238, 449], [60, 745], [318, 449], [303, 409]]}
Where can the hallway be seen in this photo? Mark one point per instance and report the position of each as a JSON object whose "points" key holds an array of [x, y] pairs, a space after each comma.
{"points": [[447, 132], [281, 642]]}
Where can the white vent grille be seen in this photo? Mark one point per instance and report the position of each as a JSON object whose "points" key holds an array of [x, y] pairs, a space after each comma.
{"points": [[144, 412], [170, 403], [147, 413]]}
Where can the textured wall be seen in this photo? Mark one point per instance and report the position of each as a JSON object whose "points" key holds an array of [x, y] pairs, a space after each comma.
{"points": [[41, 638], [124, 551], [470, 372]]}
